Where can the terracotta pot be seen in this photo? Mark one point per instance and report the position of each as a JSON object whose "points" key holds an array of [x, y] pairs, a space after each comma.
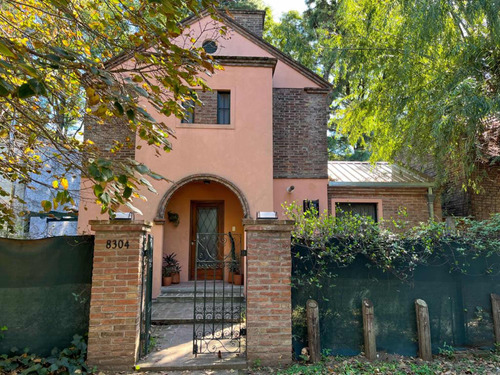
{"points": [[167, 280], [238, 279], [230, 277], [176, 278]]}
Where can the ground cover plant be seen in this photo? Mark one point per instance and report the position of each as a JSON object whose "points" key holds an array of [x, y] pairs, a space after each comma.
{"points": [[70, 360], [395, 365]]}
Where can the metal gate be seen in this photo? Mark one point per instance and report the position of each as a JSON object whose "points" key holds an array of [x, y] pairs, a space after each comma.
{"points": [[219, 303], [146, 294]]}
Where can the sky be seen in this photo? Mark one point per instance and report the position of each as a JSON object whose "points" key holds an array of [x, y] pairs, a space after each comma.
{"points": [[280, 6]]}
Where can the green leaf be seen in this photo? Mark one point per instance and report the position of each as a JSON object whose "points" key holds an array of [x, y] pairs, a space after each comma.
{"points": [[105, 198], [127, 192], [119, 108], [25, 91], [37, 86], [46, 205], [98, 190], [131, 114], [142, 169], [6, 51]]}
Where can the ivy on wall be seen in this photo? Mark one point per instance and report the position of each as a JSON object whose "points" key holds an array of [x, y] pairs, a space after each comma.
{"points": [[392, 246]]}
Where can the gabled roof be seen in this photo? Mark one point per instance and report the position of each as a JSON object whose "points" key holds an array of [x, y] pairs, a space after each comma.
{"points": [[226, 18], [381, 174]]}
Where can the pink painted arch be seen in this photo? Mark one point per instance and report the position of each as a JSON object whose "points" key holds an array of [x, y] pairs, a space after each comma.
{"points": [[160, 214]]}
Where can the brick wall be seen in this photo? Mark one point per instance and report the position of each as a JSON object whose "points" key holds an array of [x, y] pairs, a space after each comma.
{"points": [[487, 201], [115, 295], [414, 200], [207, 113], [269, 296], [299, 134], [252, 20], [107, 134]]}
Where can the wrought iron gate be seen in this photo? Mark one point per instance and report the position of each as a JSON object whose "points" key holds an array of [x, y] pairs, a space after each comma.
{"points": [[219, 303], [146, 294]]}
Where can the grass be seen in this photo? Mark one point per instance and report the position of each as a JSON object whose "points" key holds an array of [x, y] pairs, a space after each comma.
{"points": [[396, 365]]}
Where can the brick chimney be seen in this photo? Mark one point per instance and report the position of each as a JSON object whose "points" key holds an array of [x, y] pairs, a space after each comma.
{"points": [[252, 20]]}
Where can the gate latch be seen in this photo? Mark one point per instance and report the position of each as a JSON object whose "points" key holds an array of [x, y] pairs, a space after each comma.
{"points": [[243, 253]]}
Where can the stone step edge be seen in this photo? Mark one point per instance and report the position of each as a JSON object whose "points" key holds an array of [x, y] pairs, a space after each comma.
{"points": [[233, 365], [168, 322]]}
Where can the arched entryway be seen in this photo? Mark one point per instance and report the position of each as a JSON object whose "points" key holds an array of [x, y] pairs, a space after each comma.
{"points": [[207, 200]]}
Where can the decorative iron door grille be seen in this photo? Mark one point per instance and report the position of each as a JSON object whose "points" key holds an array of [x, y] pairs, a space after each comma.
{"points": [[146, 294], [219, 305]]}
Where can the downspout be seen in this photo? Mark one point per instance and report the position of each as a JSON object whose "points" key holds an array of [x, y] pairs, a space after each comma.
{"points": [[430, 203]]}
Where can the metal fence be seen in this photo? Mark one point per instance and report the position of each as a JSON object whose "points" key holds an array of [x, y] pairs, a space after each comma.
{"points": [[44, 292]]}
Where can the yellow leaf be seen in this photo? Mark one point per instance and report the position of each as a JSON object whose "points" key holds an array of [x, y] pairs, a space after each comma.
{"points": [[64, 183], [55, 184]]}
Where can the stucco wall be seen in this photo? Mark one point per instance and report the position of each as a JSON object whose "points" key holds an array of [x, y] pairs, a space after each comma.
{"points": [[304, 189], [177, 237]]}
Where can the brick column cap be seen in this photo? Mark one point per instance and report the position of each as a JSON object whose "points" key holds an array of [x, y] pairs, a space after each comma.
{"points": [[268, 225], [120, 225]]}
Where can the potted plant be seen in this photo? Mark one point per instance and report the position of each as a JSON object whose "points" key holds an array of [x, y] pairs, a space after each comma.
{"points": [[235, 272], [167, 275], [171, 269], [170, 261], [176, 276]]}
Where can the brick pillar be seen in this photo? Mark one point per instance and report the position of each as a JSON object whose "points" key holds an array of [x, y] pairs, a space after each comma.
{"points": [[269, 296], [116, 294]]}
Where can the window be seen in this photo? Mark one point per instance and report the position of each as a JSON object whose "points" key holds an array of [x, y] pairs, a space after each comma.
{"points": [[188, 113], [223, 107], [209, 46], [361, 209]]}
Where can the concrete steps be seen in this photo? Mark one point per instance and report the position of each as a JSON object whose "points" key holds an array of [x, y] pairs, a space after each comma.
{"points": [[176, 303]]}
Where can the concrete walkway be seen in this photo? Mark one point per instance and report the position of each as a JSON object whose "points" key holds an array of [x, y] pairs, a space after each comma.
{"points": [[172, 330]]}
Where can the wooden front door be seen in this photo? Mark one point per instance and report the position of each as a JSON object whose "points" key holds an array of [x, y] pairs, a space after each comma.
{"points": [[207, 217]]}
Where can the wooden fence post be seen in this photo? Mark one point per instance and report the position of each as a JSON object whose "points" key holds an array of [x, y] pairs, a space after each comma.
{"points": [[424, 330], [495, 309], [312, 312], [369, 330]]}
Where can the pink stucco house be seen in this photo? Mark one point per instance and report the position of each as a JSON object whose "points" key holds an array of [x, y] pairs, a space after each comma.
{"points": [[258, 140]]}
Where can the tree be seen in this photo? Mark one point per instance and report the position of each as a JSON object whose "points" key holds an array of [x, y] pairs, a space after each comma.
{"points": [[423, 77], [64, 61]]}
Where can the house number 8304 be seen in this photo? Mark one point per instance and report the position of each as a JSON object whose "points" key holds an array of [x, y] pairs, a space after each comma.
{"points": [[114, 244]]}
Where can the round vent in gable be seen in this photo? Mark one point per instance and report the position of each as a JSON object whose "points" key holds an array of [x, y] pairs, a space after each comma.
{"points": [[209, 46]]}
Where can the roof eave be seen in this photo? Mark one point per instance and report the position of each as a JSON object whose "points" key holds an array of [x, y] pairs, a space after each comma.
{"points": [[381, 184]]}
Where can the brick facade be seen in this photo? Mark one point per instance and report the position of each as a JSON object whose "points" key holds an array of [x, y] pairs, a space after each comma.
{"points": [[487, 200], [478, 205], [107, 134], [252, 20], [414, 200], [207, 113], [299, 134], [115, 297], [269, 305]]}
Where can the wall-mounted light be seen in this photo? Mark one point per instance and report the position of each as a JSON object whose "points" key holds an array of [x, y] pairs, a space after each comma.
{"points": [[124, 216], [290, 188], [267, 215], [173, 217]]}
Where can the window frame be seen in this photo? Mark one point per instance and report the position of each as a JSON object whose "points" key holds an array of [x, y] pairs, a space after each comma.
{"points": [[378, 202], [204, 125], [220, 94]]}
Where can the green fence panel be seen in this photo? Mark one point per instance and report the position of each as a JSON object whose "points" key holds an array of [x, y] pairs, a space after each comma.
{"points": [[44, 292], [459, 305]]}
